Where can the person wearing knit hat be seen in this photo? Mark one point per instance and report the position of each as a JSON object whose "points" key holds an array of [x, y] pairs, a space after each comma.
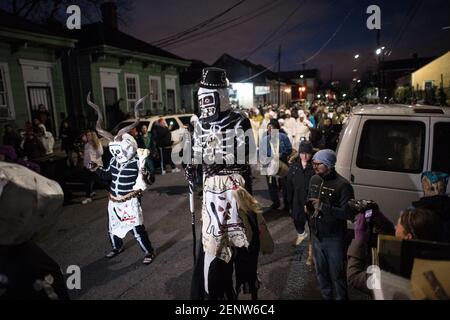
{"points": [[326, 157], [328, 211], [298, 178]]}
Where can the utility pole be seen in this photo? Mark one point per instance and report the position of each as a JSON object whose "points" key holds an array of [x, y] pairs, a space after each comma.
{"points": [[380, 89], [279, 75]]}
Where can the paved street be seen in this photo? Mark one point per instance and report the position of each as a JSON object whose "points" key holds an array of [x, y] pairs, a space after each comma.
{"points": [[80, 238]]}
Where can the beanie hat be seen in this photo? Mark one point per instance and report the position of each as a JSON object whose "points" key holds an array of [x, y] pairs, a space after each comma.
{"points": [[327, 157], [305, 147]]}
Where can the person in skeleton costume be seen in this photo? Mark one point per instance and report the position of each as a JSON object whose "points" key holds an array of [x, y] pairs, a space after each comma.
{"points": [[231, 218], [129, 179]]}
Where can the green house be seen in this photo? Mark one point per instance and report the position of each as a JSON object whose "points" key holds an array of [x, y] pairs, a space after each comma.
{"points": [[118, 69], [31, 72]]}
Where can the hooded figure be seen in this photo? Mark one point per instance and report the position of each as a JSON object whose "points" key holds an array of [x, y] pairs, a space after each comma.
{"points": [[232, 230], [46, 139], [129, 179]]}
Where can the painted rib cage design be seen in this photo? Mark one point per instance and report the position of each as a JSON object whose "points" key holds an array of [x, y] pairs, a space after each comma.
{"points": [[218, 139]]}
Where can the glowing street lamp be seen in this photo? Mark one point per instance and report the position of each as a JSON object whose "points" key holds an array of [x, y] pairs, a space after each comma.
{"points": [[378, 51], [356, 56], [301, 76]]}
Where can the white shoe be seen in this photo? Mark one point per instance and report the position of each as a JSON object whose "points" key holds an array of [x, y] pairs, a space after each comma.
{"points": [[86, 201], [300, 238], [176, 170]]}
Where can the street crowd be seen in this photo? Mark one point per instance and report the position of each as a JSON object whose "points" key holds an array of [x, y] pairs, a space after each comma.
{"points": [[319, 200]]}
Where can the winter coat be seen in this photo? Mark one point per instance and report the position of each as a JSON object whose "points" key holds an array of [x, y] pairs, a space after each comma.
{"points": [[285, 146], [162, 136], [298, 180], [335, 193], [47, 140], [440, 204], [358, 260]]}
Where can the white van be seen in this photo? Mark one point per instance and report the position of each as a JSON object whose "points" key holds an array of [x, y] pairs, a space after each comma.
{"points": [[176, 122], [383, 150]]}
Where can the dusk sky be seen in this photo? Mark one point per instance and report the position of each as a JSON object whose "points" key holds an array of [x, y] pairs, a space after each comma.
{"points": [[301, 27]]}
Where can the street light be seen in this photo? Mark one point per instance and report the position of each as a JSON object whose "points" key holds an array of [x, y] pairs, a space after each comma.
{"points": [[301, 76], [344, 95], [358, 81], [318, 96], [356, 56], [378, 51]]}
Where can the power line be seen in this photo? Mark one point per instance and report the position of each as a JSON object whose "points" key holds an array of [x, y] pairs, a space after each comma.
{"points": [[259, 73], [292, 29], [275, 31], [206, 33], [413, 13], [329, 40], [197, 26]]}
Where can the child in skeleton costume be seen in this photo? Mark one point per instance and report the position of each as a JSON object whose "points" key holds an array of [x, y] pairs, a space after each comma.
{"points": [[129, 180], [231, 218]]}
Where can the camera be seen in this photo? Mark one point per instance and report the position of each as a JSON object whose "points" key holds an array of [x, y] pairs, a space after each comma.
{"points": [[366, 207]]}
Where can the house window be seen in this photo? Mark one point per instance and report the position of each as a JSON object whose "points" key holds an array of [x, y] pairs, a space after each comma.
{"points": [[441, 151], [155, 89], [428, 84], [132, 85], [5, 101]]}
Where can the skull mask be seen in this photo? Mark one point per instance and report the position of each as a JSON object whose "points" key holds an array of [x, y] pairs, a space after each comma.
{"points": [[123, 150], [213, 95]]}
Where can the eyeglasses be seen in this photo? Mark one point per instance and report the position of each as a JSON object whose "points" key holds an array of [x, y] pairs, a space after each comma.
{"points": [[316, 164]]}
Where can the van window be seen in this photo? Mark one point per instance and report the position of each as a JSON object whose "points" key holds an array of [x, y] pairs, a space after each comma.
{"points": [[172, 123], [392, 146], [441, 151], [127, 123], [185, 120]]}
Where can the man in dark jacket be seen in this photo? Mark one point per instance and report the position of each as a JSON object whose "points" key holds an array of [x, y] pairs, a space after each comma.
{"points": [[329, 194], [163, 139], [299, 176], [329, 135]]}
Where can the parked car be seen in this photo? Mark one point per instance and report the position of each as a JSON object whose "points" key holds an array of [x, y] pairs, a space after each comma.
{"points": [[383, 150], [176, 122]]}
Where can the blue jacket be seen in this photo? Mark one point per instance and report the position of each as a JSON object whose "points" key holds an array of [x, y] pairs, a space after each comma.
{"points": [[285, 146]]}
